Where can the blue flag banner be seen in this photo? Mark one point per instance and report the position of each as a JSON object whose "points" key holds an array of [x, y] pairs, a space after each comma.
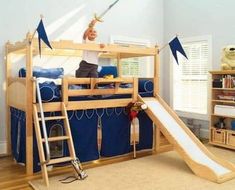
{"points": [[175, 46], [42, 36]]}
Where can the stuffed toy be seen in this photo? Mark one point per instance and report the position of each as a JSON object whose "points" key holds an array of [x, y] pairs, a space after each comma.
{"points": [[108, 76], [134, 108], [228, 58]]}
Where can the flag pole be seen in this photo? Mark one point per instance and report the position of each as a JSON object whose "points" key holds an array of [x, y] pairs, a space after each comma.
{"points": [[41, 16], [160, 49]]}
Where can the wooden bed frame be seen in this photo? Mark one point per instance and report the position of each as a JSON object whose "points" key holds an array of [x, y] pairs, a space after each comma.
{"points": [[25, 87]]}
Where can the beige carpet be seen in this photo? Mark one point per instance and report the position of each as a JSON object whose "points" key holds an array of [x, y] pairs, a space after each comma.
{"points": [[158, 172]]}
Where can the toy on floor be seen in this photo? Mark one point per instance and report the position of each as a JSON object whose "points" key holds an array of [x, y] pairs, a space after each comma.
{"points": [[80, 174]]}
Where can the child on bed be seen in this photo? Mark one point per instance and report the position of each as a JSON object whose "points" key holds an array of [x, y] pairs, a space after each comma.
{"points": [[89, 64]]}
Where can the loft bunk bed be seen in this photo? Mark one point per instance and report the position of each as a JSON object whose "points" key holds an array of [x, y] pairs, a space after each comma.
{"points": [[21, 93]]}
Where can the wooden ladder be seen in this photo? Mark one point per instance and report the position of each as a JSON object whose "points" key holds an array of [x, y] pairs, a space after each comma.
{"points": [[43, 141]]}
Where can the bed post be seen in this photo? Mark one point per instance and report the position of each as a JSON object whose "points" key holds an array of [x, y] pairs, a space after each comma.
{"points": [[29, 106], [119, 65], [156, 72], [156, 130], [65, 90], [8, 114], [135, 89]]}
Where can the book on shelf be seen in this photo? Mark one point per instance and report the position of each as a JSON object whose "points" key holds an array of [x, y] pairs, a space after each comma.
{"points": [[228, 81]]}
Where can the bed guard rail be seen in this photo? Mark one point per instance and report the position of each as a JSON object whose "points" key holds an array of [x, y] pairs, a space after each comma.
{"points": [[92, 89]]}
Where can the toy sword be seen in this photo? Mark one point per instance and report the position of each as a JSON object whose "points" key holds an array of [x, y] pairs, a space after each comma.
{"points": [[98, 18]]}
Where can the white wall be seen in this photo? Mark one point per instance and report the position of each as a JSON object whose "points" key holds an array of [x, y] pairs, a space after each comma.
{"points": [[66, 19]]}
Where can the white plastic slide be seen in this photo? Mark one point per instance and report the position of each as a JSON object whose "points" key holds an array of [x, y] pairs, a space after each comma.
{"points": [[200, 160]]}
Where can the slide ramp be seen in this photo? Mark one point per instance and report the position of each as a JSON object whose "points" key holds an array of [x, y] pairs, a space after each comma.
{"points": [[202, 162]]}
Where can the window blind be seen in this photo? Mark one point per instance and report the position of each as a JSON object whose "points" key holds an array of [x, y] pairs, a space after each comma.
{"points": [[131, 67], [190, 78]]}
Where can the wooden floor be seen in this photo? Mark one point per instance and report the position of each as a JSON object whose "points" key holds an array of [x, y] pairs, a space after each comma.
{"points": [[13, 177]]}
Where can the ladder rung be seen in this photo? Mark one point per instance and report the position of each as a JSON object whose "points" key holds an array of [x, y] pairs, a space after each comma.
{"points": [[52, 118], [60, 138], [59, 160]]}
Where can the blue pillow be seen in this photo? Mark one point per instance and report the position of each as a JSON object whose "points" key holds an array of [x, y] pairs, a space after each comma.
{"points": [[108, 70], [49, 91], [52, 73], [145, 85]]}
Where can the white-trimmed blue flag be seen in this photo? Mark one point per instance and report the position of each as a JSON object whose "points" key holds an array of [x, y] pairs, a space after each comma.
{"points": [[175, 46], [42, 35]]}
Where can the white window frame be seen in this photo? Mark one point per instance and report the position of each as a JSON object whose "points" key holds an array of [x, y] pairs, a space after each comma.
{"points": [[125, 40], [198, 116]]}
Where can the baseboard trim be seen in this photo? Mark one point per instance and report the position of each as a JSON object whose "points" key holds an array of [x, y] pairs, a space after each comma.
{"points": [[3, 147], [204, 133]]}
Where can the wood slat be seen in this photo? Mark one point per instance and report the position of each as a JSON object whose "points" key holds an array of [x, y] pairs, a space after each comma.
{"points": [[40, 144], [130, 51], [94, 104], [29, 107], [224, 101], [72, 153], [18, 46], [223, 72], [16, 79], [73, 80], [50, 107], [70, 48], [225, 116], [59, 160], [88, 104], [91, 92], [60, 138], [107, 81], [52, 118], [232, 89]]}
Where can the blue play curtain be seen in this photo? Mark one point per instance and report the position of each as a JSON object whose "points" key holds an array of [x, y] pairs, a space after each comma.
{"points": [[84, 131], [18, 135], [145, 131], [115, 132], [115, 125]]}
